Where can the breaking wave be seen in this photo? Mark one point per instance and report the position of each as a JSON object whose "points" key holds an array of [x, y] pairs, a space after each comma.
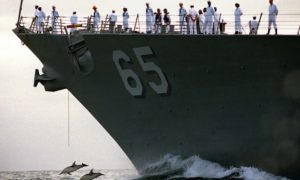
{"points": [[175, 167]]}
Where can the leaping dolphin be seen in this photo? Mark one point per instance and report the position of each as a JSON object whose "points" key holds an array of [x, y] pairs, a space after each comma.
{"points": [[72, 168], [91, 175]]}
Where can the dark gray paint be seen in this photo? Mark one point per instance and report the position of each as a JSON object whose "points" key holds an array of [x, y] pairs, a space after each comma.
{"points": [[233, 99]]}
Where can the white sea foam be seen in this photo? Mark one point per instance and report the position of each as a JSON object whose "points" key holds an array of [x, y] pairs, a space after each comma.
{"points": [[250, 173], [171, 166], [167, 168], [202, 168]]}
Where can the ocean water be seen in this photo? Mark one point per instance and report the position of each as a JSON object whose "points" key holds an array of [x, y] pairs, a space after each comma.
{"points": [[167, 168], [123, 174]]}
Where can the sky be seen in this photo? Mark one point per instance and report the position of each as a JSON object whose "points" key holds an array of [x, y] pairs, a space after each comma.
{"points": [[33, 123]]}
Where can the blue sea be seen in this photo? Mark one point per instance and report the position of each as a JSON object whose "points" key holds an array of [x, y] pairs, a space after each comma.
{"points": [[169, 167]]}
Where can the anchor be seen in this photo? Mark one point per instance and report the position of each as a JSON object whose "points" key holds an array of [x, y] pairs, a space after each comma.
{"points": [[49, 83], [41, 78]]}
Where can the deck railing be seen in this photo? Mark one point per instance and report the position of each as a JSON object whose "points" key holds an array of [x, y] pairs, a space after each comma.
{"points": [[287, 24]]}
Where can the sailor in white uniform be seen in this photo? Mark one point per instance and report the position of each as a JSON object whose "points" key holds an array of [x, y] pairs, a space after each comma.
{"points": [[273, 12], [54, 19], [36, 14], [192, 20], [253, 24], [237, 14], [112, 21], [216, 22], [36, 11], [41, 20], [204, 29], [96, 19], [125, 19], [74, 21], [208, 24], [182, 15], [149, 18], [201, 22]]}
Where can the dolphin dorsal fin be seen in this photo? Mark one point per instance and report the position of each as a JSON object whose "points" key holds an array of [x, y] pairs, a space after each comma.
{"points": [[74, 163], [91, 172], [84, 164]]}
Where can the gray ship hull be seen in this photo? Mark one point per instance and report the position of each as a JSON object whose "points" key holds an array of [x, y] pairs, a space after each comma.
{"points": [[230, 99]]}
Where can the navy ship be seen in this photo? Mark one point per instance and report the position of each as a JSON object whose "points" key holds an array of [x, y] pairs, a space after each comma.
{"points": [[232, 99]]}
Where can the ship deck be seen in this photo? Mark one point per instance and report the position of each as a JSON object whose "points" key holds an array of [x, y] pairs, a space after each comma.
{"points": [[288, 24]]}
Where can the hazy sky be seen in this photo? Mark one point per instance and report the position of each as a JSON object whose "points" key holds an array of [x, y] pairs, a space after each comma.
{"points": [[33, 123]]}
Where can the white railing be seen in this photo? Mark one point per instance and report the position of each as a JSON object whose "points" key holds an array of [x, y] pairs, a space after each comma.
{"points": [[287, 24]]}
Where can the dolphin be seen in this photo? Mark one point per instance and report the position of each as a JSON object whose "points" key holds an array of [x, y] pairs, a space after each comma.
{"points": [[91, 175], [72, 168]]}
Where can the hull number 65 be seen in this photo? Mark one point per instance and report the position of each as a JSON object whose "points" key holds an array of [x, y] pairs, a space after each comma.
{"points": [[127, 75]]}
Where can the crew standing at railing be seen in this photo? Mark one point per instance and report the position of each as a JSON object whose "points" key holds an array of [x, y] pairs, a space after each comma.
{"points": [[192, 20], [96, 19], [149, 18], [112, 21], [158, 21], [201, 21], [253, 26], [41, 19], [167, 20], [125, 19], [36, 14], [74, 22], [273, 12], [216, 21], [54, 19], [237, 14], [182, 15], [36, 11], [204, 29], [210, 12]]}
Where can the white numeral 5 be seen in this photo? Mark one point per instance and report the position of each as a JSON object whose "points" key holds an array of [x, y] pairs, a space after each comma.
{"points": [[161, 88]]}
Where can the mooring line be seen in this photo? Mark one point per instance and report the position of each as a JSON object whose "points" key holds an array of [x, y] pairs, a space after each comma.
{"points": [[68, 118]]}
